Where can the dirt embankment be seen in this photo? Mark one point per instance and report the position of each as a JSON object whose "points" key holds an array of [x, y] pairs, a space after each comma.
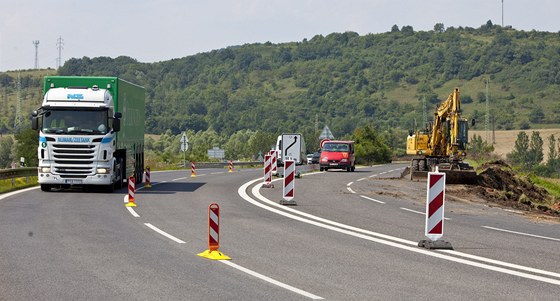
{"points": [[497, 183]]}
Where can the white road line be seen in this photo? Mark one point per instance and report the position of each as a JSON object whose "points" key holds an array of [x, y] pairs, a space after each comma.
{"points": [[413, 211], [350, 184], [381, 238], [173, 238], [359, 180], [217, 173], [272, 281], [423, 213], [520, 233], [350, 189], [368, 198]]}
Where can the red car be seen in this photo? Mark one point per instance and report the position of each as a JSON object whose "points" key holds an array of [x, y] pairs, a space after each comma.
{"points": [[337, 155]]}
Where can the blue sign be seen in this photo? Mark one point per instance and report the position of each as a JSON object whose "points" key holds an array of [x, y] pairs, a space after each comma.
{"points": [[75, 96]]}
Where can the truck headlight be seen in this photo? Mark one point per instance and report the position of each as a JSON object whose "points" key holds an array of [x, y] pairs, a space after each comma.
{"points": [[44, 169], [103, 170]]}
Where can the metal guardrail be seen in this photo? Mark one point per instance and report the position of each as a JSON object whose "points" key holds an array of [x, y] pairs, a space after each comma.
{"points": [[222, 164], [17, 173]]}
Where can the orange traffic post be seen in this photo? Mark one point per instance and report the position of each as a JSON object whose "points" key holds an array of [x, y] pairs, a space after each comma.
{"points": [[230, 166], [148, 185], [193, 170], [131, 192], [214, 235]]}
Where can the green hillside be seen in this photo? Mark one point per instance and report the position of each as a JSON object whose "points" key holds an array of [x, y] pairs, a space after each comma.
{"points": [[342, 80]]}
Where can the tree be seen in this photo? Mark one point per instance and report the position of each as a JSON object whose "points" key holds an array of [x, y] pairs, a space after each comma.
{"points": [[395, 28], [479, 149], [520, 153], [6, 156], [370, 146], [535, 150], [439, 28], [553, 162], [27, 146]]}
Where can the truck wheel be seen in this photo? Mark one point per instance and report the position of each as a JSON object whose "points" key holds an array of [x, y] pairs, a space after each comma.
{"points": [[46, 187], [348, 169], [353, 168], [320, 169]]}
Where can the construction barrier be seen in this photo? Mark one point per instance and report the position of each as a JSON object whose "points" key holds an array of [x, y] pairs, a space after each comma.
{"points": [[193, 170], [274, 156], [230, 166], [213, 235], [289, 179], [148, 185], [267, 172], [131, 192], [435, 209]]}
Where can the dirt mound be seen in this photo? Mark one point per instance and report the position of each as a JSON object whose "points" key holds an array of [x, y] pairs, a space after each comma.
{"points": [[499, 184]]}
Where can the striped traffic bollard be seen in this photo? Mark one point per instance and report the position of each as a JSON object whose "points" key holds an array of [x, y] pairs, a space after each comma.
{"points": [[289, 179], [131, 192], [274, 164], [267, 172], [435, 209], [213, 234], [193, 170], [230, 166], [148, 183]]}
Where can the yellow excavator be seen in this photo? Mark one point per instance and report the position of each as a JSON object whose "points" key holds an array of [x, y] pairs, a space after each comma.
{"points": [[443, 144]]}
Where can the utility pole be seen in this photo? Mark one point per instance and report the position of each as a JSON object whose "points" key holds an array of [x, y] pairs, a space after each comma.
{"points": [[36, 43], [59, 46], [487, 119], [17, 119], [502, 13]]}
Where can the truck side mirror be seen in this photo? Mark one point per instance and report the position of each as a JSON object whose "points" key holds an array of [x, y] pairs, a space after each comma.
{"points": [[117, 122], [34, 121]]}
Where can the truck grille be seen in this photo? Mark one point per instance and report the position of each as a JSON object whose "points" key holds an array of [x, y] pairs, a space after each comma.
{"points": [[74, 161]]}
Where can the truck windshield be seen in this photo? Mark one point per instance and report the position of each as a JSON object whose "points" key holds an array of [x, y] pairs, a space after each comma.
{"points": [[65, 122], [335, 147]]}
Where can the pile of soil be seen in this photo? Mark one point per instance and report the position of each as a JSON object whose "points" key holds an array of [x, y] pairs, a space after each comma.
{"points": [[497, 183]]}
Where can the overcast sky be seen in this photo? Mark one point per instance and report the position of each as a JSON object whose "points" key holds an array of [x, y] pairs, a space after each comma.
{"points": [[152, 31]]}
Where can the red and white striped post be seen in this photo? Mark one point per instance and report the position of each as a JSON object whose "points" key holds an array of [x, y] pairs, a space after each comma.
{"points": [[230, 166], [267, 172], [289, 179], [131, 192], [274, 154], [213, 234], [148, 183], [193, 170], [435, 209]]}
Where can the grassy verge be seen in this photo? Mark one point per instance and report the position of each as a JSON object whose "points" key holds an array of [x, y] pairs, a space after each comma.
{"points": [[19, 183], [551, 185]]}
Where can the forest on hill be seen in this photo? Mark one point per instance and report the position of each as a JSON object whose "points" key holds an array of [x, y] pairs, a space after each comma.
{"points": [[391, 81]]}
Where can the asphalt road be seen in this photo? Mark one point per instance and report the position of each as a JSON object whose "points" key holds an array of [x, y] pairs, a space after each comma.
{"points": [[352, 236]]}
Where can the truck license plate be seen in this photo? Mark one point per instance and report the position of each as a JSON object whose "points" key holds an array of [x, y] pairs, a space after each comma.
{"points": [[72, 181], [334, 164]]}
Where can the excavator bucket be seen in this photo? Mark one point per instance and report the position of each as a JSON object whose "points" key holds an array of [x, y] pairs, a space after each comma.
{"points": [[453, 175]]}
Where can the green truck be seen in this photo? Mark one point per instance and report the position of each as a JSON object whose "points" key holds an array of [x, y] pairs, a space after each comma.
{"points": [[91, 132]]}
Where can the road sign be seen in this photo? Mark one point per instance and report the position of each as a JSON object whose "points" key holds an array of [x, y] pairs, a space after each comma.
{"points": [[184, 143], [291, 147]]}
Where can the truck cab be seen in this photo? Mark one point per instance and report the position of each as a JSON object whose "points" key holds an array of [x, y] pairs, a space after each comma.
{"points": [[337, 155]]}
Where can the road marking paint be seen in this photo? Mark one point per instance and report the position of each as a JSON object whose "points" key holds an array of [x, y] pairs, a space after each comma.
{"points": [[520, 233], [392, 240], [368, 198], [173, 238], [270, 280], [359, 180], [5, 195], [350, 184], [413, 211], [350, 189], [217, 173], [418, 212]]}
